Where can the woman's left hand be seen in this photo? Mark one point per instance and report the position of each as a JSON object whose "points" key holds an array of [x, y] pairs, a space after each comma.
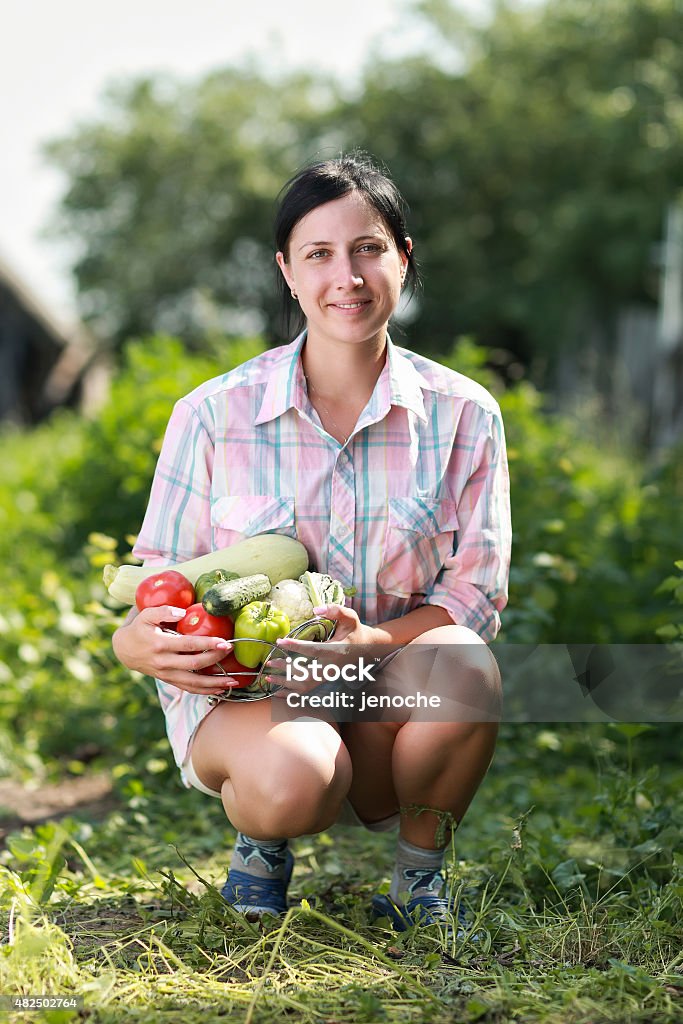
{"points": [[349, 626], [352, 639]]}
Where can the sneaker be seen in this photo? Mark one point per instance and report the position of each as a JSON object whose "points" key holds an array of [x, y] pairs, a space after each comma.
{"points": [[422, 911], [254, 896]]}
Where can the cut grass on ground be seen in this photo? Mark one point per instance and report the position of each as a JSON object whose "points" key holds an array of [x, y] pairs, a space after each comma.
{"points": [[568, 862]]}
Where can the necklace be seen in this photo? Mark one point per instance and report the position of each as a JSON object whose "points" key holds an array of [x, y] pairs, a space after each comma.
{"points": [[328, 415]]}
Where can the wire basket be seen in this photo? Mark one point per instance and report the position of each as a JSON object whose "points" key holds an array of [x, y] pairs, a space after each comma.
{"points": [[260, 688]]}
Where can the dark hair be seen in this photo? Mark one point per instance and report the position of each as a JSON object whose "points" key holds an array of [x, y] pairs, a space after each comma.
{"points": [[321, 183]]}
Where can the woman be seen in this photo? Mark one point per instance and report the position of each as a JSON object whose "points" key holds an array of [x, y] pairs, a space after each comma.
{"points": [[391, 470]]}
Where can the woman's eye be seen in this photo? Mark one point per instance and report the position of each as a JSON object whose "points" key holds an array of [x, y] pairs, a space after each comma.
{"points": [[369, 247], [317, 253]]}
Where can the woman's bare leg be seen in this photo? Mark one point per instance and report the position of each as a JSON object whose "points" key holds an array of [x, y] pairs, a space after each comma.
{"points": [[276, 779], [418, 762]]}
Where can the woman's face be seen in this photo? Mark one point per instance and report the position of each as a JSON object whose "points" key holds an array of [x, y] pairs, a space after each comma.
{"points": [[346, 270]]}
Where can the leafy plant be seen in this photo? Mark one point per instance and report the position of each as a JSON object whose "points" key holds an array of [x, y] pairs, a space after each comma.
{"points": [[584, 512], [673, 631]]}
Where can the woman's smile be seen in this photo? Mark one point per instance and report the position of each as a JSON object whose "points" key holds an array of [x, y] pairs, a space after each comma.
{"points": [[357, 306]]}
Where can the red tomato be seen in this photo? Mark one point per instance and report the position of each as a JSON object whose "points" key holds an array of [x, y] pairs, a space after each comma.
{"points": [[228, 665], [198, 622], [166, 587]]}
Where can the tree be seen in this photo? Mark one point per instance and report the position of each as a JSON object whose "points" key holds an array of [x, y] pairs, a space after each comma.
{"points": [[537, 164], [538, 168], [171, 197]]}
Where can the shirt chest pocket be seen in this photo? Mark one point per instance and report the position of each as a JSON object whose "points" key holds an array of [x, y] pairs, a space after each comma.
{"points": [[419, 538], [238, 516]]}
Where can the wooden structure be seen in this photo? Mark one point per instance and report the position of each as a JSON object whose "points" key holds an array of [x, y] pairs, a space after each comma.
{"points": [[631, 368], [42, 365]]}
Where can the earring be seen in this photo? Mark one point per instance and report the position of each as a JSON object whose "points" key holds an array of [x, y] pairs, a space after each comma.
{"points": [[294, 295]]}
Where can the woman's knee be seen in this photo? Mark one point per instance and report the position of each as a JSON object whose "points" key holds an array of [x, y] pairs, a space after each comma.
{"points": [[295, 797], [464, 672]]}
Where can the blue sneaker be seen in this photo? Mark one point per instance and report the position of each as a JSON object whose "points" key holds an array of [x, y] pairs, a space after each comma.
{"points": [[254, 896], [422, 911]]}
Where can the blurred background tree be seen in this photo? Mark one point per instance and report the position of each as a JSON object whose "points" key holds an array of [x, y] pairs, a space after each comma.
{"points": [[539, 173], [538, 153], [171, 197]]}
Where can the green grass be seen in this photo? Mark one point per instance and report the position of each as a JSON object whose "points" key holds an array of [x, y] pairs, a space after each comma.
{"points": [[569, 862]]}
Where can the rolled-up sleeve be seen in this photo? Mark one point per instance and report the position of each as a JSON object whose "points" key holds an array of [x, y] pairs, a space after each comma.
{"points": [[177, 523], [473, 584]]}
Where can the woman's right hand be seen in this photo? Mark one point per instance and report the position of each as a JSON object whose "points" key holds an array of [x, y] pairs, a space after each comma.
{"points": [[143, 644]]}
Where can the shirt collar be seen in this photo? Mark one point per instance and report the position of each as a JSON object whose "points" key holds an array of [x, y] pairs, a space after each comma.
{"points": [[399, 383], [285, 386], [405, 382]]}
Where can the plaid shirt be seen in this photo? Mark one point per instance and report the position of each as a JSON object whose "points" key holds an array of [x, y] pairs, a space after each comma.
{"points": [[413, 510]]}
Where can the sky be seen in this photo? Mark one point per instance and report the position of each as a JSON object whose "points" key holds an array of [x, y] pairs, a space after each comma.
{"points": [[56, 58]]}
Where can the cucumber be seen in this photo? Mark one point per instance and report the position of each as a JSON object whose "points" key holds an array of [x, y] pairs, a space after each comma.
{"points": [[230, 596]]}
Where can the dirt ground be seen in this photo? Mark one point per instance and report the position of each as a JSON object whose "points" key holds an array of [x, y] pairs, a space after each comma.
{"points": [[91, 795]]}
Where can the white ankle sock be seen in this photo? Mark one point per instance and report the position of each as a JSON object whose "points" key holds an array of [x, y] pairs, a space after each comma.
{"points": [[264, 858], [417, 872]]}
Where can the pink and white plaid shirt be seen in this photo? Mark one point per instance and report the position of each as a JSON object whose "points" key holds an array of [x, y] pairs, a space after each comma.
{"points": [[413, 509]]}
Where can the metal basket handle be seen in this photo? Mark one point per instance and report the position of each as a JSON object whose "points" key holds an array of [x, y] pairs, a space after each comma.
{"points": [[259, 689]]}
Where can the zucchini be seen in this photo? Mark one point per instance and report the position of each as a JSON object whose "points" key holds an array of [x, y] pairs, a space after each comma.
{"points": [[278, 556], [231, 595]]}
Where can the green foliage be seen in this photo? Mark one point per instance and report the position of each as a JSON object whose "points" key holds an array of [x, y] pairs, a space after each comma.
{"points": [[172, 195], [526, 168], [593, 528], [673, 631], [537, 163], [73, 494], [122, 444]]}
